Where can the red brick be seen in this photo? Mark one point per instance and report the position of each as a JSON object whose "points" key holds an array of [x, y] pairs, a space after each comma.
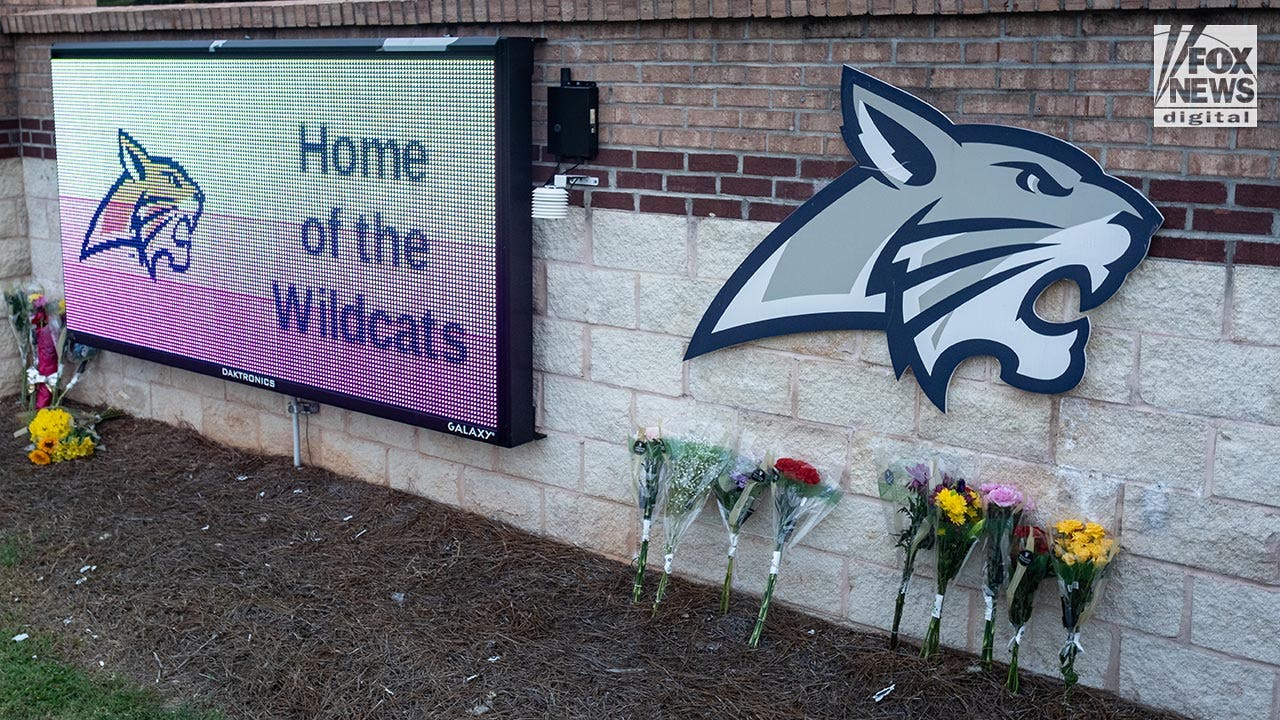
{"points": [[613, 157], [794, 144], [687, 52], [703, 207], [649, 94], [1258, 195], [861, 52], [713, 163], [1193, 191], [690, 96], [794, 190], [663, 204], [713, 118], [768, 120], [930, 52], [1175, 218], [1232, 165], [754, 187], [741, 97], [695, 184], [824, 168], [770, 166], [768, 212], [1232, 221], [1257, 253], [804, 52], [613, 200], [639, 180], [659, 160], [1188, 249]]}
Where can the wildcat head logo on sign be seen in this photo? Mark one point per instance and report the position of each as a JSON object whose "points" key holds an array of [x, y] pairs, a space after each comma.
{"points": [[151, 211], [943, 237], [1206, 75]]}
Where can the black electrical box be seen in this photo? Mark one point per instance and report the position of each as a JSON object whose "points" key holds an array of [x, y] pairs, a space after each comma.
{"points": [[572, 126]]}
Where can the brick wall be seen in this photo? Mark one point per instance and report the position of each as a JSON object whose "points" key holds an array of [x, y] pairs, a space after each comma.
{"points": [[718, 119]]}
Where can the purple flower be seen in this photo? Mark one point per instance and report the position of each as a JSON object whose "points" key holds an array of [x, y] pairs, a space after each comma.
{"points": [[739, 479], [1002, 495], [919, 476]]}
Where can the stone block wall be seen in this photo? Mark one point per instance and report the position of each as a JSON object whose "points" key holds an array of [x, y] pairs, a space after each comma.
{"points": [[718, 119]]}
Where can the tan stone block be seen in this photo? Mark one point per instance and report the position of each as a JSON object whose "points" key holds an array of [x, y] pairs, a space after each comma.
{"points": [[1111, 359], [585, 408], [643, 361], [353, 456], [558, 346], [588, 522], [1167, 674], [563, 239], [553, 460], [1205, 377], [606, 471], [1244, 463], [991, 417], [230, 424], [388, 432], [1167, 296], [743, 377], [674, 304], [1133, 444], [177, 407], [424, 476], [639, 241], [1256, 297], [503, 498], [1225, 537], [602, 297], [1236, 618], [723, 244], [856, 395]]}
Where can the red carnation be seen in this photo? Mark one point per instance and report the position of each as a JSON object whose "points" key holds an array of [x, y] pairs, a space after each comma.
{"points": [[1041, 541], [798, 470]]}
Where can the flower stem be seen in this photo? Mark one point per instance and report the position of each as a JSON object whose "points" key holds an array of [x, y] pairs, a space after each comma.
{"points": [[662, 588], [1011, 680], [638, 587], [988, 639], [897, 620], [764, 611], [931, 638], [724, 591]]}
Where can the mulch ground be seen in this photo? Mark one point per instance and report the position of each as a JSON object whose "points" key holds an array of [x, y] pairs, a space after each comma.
{"points": [[270, 592]]}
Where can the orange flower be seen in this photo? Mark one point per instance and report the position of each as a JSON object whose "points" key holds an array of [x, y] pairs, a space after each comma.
{"points": [[38, 457], [47, 444]]}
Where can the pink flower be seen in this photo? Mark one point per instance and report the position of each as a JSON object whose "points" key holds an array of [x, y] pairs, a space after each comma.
{"points": [[1002, 495]]}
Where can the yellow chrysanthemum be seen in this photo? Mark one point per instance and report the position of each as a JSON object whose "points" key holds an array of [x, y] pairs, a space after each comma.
{"points": [[1071, 525], [53, 423], [954, 505], [1094, 530]]}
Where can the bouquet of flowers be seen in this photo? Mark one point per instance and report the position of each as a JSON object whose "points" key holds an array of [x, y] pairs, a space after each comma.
{"points": [[908, 488], [736, 493], [648, 459], [1082, 553], [692, 468], [956, 510], [1031, 564], [1003, 506], [56, 436], [45, 349], [800, 501]]}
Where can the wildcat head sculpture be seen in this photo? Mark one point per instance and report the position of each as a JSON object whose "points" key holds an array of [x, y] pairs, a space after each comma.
{"points": [[942, 236], [151, 210]]}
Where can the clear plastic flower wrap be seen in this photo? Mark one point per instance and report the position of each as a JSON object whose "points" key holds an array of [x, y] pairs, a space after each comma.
{"points": [[800, 501], [694, 463], [1003, 507], [956, 511], [648, 481], [1031, 564], [736, 492], [905, 486], [1082, 555]]}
